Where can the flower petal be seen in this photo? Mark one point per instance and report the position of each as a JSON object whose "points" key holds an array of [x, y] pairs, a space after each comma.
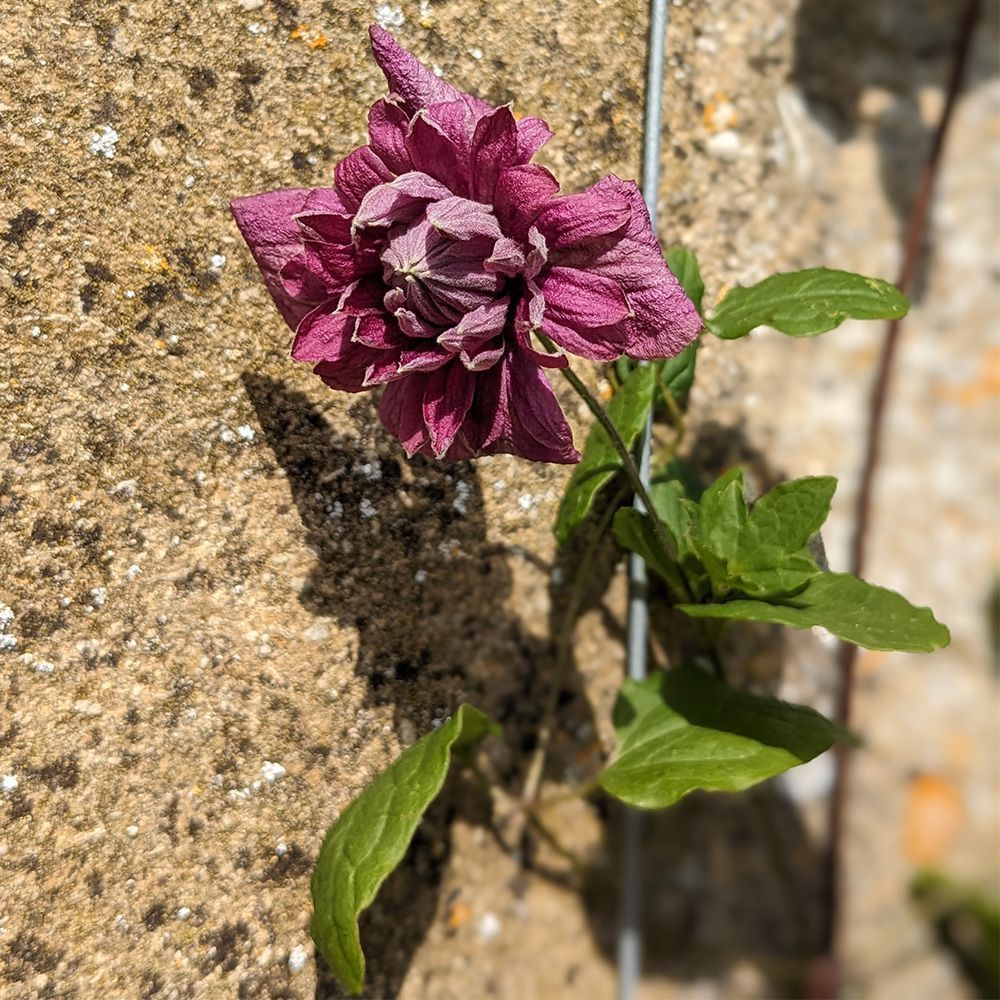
{"points": [[411, 79], [664, 320], [588, 301], [388, 124], [478, 326], [267, 224], [401, 200], [323, 335], [402, 412], [434, 153], [573, 218], [532, 134], [463, 219], [448, 394], [494, 146], [520, 194], [515, 412], [357, 173]]}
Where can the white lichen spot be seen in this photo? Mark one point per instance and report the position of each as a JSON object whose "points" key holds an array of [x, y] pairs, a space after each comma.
{"points": [[98, 595], [226, 435], [389, 17], [463, 491], [526, 501], [183, 913], [489, 926], [272, 771], [298, 957], [103, 141], [44, 667], [218, 261], [366, 508], [476, 53], [7, 642], [132, 831], [246, 432], [6, 617], [420, 576], [8, 782], [129, 294], [281, 848], [370, 470], [133, 571]]}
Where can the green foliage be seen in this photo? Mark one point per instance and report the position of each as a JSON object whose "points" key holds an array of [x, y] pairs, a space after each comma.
{"points": [[683, 730], [851, 609], [752, 564], [685, 269], [370, 838], [805, 303], [628, 410]]}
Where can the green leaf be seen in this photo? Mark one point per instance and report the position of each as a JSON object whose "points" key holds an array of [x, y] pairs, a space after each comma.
{"points": [[683, 730], [685, 269], [628, 410], [804, 303], [851, 609], [371, 836], [723, 514], [635, 532], [675, 375], [791, 513]]}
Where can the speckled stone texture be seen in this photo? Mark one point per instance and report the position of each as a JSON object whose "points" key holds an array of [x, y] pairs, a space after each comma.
{"points": [[227, 599]]}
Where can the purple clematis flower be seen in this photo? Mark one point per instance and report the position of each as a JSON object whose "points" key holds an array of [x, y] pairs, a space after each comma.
{"points": [[441, 250]]}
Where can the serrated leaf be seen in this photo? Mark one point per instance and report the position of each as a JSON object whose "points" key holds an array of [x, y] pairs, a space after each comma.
{"points": [[851, 609], [371, 836], [684, 730], [628, 410], [805, 303], [684, 266]]}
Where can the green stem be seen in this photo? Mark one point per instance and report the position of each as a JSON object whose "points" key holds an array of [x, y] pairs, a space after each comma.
{"points": [[674, 579]]}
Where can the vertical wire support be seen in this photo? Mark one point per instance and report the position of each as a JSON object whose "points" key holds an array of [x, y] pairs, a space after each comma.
{"points": [[629, 932]]}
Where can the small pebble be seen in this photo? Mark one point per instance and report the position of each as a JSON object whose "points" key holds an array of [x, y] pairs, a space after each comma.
{"points": [[272, 771], [132, 831], [297, 958], [489, 926], [8, 782], [183, 913]]}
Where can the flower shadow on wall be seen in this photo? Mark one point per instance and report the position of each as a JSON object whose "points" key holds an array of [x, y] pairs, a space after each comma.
{"points": [[426, 592]]}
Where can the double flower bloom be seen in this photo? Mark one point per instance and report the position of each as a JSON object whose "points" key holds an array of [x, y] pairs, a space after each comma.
{"points": [[438, 255]]}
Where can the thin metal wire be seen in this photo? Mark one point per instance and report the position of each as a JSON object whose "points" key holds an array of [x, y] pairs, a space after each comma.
{"points": [[630, 930]]}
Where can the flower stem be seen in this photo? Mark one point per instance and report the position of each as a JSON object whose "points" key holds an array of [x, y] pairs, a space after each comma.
{"points": [[675, 579]]}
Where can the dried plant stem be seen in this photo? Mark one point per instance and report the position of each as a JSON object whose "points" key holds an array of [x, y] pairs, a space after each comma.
{"points": [[676, 581], [564, 640]]}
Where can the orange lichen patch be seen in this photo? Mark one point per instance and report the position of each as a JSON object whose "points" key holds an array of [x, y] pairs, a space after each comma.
{"points": [[984, 387], [719, 113], [154, 260], [458, 913], [299, 32], [319, 42], [934, 815], [160, 345], [604, 390]]}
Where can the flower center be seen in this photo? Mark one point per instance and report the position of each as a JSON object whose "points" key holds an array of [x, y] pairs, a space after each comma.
{"points": [[435, 276]]}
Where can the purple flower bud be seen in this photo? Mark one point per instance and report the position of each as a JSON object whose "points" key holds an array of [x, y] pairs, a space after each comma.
{"points": [[437, 255]]}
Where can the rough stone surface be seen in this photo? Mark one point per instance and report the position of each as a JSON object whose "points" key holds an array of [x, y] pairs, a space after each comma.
{"points": [[227, 600]]}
